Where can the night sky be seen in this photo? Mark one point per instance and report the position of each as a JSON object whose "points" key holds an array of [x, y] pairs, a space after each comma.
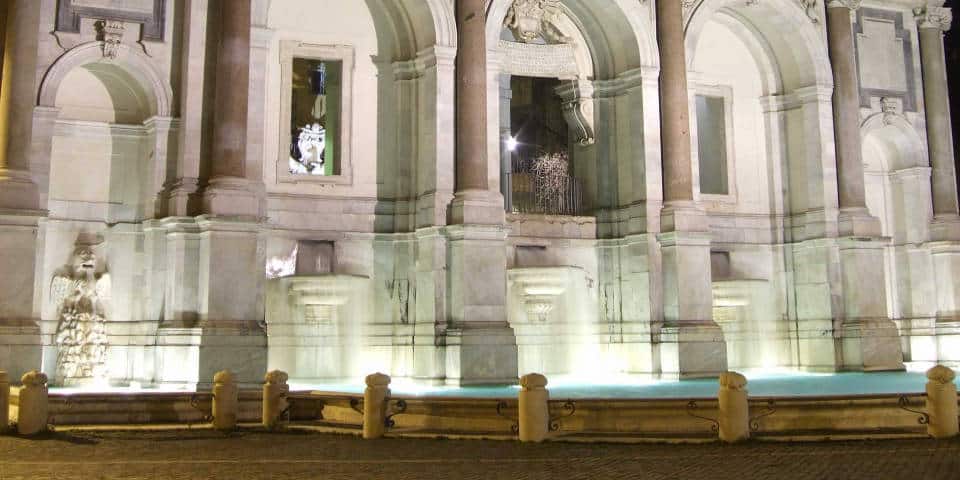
{"points": [[952, 46]]}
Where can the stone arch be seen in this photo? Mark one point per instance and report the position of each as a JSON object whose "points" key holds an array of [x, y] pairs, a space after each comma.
{"points": [[897, 138], [407, 28], [159, 95], [788, 37]]}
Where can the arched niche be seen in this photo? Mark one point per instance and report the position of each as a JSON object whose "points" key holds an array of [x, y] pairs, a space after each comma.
{"points": [[896, 177], [611, 62], [134, 65], [791, 40], [109, 136], [788, 100]]}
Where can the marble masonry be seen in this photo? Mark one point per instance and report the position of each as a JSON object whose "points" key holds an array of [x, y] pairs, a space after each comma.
{"points": [[468, 191]]}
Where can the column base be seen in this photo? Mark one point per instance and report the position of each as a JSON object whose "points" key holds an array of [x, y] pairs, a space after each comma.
{"points": [[857, 222], [870, 345], [477, 207], [692, 351], [232, 197], [481, 355], [945, 228]]}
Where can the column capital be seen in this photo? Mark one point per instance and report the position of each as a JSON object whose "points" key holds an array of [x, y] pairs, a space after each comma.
{"points": [[851, 4], [933, 17]]}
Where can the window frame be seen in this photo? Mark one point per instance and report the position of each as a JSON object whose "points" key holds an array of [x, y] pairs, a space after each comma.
{"points": [[289, 50], [726, 93]]}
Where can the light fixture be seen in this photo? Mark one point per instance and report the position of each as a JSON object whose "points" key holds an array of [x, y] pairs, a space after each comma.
{"points": [[512, 144]]}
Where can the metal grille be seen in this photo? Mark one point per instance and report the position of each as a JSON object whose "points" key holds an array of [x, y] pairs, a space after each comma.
{"points": [[543, 185]]}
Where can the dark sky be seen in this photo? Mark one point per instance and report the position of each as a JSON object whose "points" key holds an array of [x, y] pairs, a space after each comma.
{"points": [[952, 47]]}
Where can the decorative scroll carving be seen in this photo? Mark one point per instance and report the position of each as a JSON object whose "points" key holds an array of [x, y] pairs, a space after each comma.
{"points": [[81, 295], [933, 17], [530, 20], [110, 32], [578, 111]]}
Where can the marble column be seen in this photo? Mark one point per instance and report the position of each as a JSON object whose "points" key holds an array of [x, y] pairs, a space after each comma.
{"points": [[867, 339], [932, 22], [229, 191], [477, 200], [854, 218], [480, 347], [18, 93], [691, 343], [674, 104]]}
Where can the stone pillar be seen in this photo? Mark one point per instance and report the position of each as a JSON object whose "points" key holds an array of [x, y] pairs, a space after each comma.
{"points": [[375, 399], [18, 93], [229, 191], [868, 339], [231, 220], [480, 344], [932, 22], [942, 403], [534, 411], [32, 411], [674, 104], [846, 120], [506, 156], [692, 344], [275, 391], [4, 402], [226, 402], [734, 412]]}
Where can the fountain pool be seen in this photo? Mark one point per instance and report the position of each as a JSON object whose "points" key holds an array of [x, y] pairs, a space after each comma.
{"points": [[762, 384]]}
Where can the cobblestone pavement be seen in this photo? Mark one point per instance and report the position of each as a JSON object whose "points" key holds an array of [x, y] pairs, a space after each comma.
{"points": [[247, 455]]}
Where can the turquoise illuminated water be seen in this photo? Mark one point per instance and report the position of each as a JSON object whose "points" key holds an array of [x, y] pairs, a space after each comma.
{"points": [[760, 385]]}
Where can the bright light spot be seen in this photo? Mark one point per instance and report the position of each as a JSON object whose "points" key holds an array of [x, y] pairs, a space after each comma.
{"points": [[512, 144]]}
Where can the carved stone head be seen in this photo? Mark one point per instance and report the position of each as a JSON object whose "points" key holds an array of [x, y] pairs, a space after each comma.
{"points": [[84, 260]]}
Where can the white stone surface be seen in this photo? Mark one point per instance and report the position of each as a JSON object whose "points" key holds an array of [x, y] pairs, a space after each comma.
{"points": [[121, 148]]}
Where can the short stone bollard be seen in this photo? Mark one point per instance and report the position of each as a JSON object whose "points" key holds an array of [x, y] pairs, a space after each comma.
{"points": [[942, 403], [275, 391], [32, 404], [375, 399], [534, 410], [226, 402], [4, 402], [734, 417]]}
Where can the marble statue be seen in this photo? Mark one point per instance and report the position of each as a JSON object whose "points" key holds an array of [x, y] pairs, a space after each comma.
{"points": [[312, 146], [533, 19], [81, 295]]}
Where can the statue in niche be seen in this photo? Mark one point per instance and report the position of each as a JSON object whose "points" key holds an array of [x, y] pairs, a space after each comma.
{"points": [[81, 295], [530, 20], [311, 145]]}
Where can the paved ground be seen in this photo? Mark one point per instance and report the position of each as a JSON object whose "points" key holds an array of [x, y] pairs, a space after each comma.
{"points": [[203, 454]]}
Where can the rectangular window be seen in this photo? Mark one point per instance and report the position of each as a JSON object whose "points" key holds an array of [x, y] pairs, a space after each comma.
{"points": [[315, 114], [315, 117], [712, 145]]}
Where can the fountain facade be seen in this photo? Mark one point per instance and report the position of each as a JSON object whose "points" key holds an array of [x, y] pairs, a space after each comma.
{"points": [[762, 225]]}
